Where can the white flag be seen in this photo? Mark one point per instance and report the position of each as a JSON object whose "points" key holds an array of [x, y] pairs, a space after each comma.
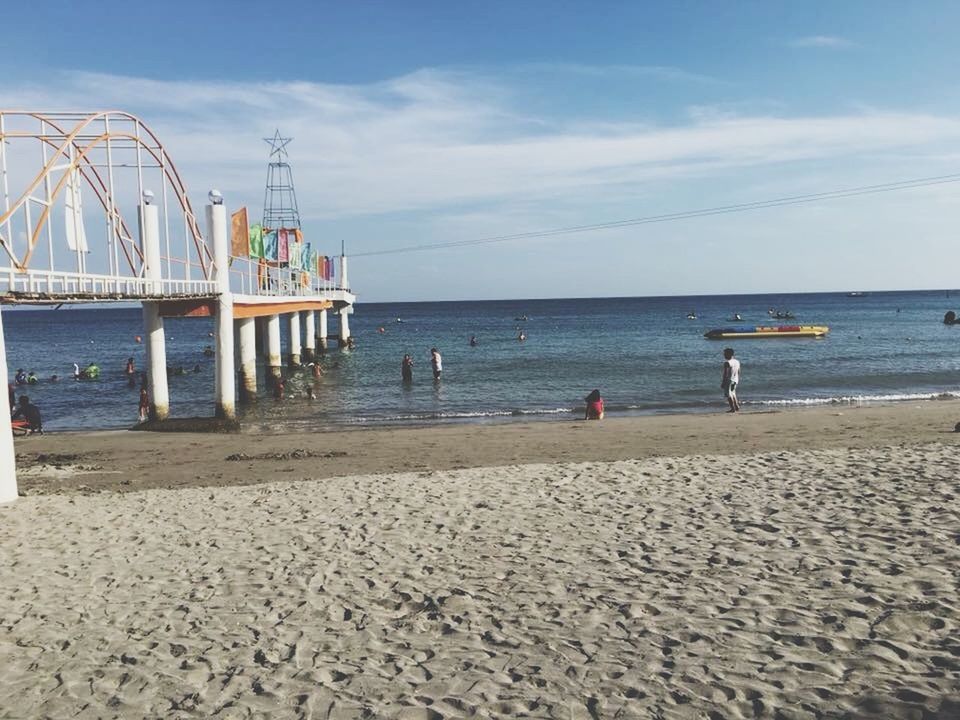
{"points": [[76, 235]]}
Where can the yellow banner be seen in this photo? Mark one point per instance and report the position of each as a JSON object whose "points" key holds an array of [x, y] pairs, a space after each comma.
{"points": [[239, 234]]}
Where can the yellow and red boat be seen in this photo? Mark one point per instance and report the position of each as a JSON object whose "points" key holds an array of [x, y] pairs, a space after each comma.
{"points": [[745, 332]]}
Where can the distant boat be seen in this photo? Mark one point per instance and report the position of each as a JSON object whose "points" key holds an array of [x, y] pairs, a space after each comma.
{"points": [[521, 318], [767, 331], [857, 293]]}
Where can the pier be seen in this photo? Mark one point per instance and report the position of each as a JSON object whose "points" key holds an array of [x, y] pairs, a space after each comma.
{"points": [[94, 211]]}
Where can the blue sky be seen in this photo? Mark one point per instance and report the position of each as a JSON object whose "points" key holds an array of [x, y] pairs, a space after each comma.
{"points": [[431, 122]]}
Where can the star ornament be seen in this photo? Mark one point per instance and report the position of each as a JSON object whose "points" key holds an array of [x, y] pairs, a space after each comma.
{"points": [[277, 144]]}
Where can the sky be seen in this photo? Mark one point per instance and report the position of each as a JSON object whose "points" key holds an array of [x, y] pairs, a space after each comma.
{"points": [[425, 123]]}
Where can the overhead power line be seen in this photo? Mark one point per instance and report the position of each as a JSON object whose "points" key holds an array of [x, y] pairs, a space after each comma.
{"points": [[685, 215]]}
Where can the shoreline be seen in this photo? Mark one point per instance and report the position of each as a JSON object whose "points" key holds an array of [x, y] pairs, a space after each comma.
{"points": [[121, 460]]}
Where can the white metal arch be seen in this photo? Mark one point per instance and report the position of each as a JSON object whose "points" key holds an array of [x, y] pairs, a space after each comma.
{"points": [[113, 156]]}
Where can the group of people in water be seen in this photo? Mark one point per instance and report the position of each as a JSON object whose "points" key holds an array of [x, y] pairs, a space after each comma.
{"points": [[436, 364]]}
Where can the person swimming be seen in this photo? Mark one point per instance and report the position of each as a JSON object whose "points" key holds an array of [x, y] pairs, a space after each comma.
{"points": [[32, 378]]}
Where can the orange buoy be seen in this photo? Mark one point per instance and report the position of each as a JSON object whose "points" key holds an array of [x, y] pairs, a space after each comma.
{"points": [[138, 339]]}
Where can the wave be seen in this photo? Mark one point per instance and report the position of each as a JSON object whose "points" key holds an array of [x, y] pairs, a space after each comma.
{"points": [[858, 399], [459, 415]]}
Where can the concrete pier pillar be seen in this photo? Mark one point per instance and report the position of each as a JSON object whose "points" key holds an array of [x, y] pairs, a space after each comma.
{"points": [[261, 333], [322, 331], [344, 324], [8, 464], [246, 332], [156, 361], [309, 336], [226, 389], [152, 321], [274, 362], [294, 358]]}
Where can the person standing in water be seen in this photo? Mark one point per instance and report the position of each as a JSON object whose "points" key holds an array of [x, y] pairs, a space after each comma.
{"points": [[144, 406], [406, 369], [436, 362], [730, 379]]}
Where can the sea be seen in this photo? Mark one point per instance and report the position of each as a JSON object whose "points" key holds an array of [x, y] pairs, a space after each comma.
{"points": [[643, 353]]}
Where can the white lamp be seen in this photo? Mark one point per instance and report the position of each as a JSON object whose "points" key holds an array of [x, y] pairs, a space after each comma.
{"points": [[215, 197], [147, 197]]}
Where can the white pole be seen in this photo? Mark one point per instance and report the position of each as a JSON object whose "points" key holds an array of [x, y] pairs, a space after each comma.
{"points": [[152, 321], [309, 335], [150, 241], [247, 331], [226, 380], [344, 283], [273, 345], [344, 324], [8, 465], [323, 329], [294, 339]]}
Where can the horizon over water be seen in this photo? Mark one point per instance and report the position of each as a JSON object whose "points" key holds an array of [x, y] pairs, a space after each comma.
{"points": [[643, 354]]}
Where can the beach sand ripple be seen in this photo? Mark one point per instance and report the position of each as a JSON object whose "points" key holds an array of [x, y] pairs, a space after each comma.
{"points": [[800, 584]]}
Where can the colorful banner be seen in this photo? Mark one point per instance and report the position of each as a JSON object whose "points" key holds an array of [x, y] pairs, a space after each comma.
{"points": [[239, 234], [270, 245], [307, 261], [294, 253], [283, 250], [256, 241]]}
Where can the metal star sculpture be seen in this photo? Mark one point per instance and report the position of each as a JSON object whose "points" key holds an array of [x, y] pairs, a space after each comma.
{"points": [[278, 144]]}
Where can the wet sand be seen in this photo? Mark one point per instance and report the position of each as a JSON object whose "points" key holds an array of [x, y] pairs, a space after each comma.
{"points": [[122, 460], [783, 565]]}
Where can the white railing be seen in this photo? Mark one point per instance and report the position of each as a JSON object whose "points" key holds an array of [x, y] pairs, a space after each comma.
{"points": [[70, 284], [250, 277]]}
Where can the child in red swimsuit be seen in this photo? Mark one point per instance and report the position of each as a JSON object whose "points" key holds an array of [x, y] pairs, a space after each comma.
{"points": [[594, 406]]}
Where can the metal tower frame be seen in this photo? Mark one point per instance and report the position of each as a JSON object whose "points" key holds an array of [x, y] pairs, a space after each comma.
{"points": [[280, 208]]}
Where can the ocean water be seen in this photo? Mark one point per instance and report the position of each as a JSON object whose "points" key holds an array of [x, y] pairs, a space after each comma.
{"points": [[643, 354]]}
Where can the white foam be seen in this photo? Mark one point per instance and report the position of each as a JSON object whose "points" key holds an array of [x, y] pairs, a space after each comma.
{"points": [[859, 399]]}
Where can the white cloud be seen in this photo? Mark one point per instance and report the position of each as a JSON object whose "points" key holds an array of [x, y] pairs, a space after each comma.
{"points": [[431, 140], [821, 41], [466, 153]]}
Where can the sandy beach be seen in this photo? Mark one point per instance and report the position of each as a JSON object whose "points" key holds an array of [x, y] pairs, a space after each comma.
{"points": [[767, 565]]}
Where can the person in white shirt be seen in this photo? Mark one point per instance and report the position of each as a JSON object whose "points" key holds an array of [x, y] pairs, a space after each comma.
{"points": [[731, 378], [436, 362]]}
